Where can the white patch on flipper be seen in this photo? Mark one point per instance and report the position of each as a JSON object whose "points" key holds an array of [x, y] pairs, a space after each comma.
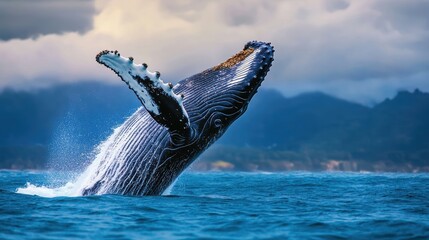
{"points": [[128, 71], [243, 70]]}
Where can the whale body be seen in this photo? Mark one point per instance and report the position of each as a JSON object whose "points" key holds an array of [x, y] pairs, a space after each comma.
{"points": [[176, 123]]}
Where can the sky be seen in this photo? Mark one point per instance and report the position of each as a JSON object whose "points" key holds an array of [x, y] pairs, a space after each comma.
{"points": [[359, 50]]}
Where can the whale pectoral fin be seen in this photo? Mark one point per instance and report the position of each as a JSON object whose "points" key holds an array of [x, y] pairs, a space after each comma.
{"points": [[157, 97]]}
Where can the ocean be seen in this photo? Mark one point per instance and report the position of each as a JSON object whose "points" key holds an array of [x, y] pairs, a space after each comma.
{"points": [[219, 205]]}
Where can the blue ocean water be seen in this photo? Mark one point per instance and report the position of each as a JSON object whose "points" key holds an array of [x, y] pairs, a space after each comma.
{"points": [[295, 205]]}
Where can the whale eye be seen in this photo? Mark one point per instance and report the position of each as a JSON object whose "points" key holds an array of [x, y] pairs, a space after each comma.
{"points": [[218, 123]]}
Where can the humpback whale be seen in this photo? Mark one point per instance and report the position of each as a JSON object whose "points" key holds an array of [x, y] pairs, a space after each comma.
{"points": [[176, 123]]}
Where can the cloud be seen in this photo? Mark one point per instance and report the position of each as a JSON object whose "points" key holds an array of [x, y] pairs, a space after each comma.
{"points": [[336, 5], [362, 50], [31, 18]]}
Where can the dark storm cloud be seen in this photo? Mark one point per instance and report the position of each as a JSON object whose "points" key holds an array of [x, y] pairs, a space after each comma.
{"points": [[30, 18]]}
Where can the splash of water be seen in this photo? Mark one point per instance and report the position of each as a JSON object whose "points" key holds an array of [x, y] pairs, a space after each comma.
{"points": [[64, 191], [75, 186], [109, 155]]}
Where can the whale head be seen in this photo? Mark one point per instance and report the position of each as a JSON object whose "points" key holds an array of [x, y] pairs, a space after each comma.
{"points": [[216, 97]]}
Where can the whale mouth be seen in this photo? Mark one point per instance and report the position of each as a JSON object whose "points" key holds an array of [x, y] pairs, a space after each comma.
{"points": [[250, 66]]}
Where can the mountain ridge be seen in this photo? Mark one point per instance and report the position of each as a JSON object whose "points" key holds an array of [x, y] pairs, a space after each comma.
{"points": [[308, 130]]}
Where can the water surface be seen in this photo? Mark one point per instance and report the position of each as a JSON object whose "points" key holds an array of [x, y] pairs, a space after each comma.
{"points": [[296, 205]]}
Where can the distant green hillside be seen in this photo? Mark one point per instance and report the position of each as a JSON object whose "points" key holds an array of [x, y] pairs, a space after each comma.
{"points": [[312, 131], [315, 132]]}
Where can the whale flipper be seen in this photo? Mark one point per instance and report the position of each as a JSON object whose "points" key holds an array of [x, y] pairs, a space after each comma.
{"points": [[157, 97]]}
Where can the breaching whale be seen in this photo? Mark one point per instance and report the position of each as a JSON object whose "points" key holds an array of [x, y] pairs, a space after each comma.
{"points": [[152, 148]]}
